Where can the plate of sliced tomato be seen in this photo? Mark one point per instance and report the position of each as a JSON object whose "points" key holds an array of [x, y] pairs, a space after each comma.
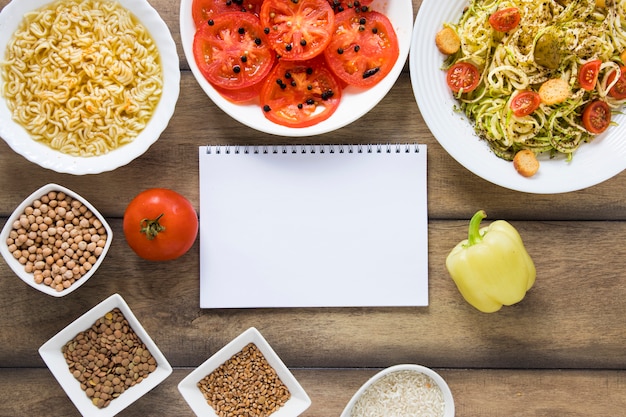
{"points": [[296, 68], [434, 90]]}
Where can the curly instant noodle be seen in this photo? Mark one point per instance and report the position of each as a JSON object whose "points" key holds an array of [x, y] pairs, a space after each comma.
{"points": [[83, 77]]}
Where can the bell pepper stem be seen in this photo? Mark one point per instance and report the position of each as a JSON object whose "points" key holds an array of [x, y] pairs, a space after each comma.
{"points": [[473, 235]]}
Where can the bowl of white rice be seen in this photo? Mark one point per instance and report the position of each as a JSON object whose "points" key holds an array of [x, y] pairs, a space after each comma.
{"points": [[402, 390]]}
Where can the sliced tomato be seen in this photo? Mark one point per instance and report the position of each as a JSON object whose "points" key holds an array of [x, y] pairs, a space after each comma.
{"points": [[618, 91], [596, 116], [232, 51], [298, 30], [240, 95], [363, 49], [463, 77], [524, 103], [588, 75], [300, 93], [505, 20], [203, 10]]}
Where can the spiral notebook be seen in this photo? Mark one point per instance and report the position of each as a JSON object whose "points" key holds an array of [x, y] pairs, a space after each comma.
{"points": [[313, 226]]}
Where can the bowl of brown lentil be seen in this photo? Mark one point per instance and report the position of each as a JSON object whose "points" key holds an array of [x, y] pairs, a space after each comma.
{"points": [[55, 240], [105, 360], [245, 377]]}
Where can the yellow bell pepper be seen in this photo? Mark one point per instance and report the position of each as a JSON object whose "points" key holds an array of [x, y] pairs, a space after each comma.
{"points": [[492, 267]]}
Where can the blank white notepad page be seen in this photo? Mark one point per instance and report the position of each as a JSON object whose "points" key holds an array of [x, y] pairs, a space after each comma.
{"points": [[313, 226]]}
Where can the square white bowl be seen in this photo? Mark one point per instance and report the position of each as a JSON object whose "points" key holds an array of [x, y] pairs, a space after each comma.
{"points": [[53, 357], [18, 268], [297, 403]]}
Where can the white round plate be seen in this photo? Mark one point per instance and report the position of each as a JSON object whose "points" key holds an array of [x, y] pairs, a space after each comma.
{"points": [[20, 141], [354, 102], [592, 163]]}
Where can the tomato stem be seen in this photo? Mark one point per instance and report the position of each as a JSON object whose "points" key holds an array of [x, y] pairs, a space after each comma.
{"points": [[151, 228]]}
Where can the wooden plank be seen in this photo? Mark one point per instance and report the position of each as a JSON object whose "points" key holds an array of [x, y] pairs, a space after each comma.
{"points": [[477, 393], [572, 318], [453, 191]]}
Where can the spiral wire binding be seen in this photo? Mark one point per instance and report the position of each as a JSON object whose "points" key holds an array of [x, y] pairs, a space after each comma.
{"points": [[284, 149]]}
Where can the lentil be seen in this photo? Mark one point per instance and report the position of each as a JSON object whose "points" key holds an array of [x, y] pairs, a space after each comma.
{"points": [[108, 358], [57, 239], [244, 385]]}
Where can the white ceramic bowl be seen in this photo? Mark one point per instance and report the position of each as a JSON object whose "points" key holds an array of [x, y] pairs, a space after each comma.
{"points": [[18, 268], [19, 139], [418, 369], [297, 403], [592, 163], [354, 103], [53, 357]]}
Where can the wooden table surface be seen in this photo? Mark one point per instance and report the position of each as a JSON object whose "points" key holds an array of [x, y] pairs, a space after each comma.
{"points": [[560, 352]]}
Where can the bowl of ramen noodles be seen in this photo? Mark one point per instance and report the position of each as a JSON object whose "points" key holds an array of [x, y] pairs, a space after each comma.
{"points": [[86, 86]]}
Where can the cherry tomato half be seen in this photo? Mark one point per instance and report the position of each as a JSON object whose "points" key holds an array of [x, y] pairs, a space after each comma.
{"points": [[596, 116], [524, 103], [232, 51], [588, 74], [463, 76], [160, 224], [505, 20], [363, 49], [618, 91], [300, 93], [203, 10], [298, 30]]}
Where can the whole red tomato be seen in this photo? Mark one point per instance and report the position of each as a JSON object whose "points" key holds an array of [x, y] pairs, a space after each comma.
{"points": [[160, 224]]}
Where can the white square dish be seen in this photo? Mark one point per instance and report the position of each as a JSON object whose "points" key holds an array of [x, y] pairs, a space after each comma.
{"points": [[53, 356], [18, 268], [298, 402]]}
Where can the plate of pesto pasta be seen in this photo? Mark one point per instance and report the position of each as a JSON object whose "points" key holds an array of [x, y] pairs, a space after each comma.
{"points": [[86, 86], [527, 95]]}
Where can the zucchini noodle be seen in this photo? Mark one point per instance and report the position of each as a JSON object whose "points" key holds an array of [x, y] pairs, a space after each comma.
{"points": [[582, 31], [82, 76]]}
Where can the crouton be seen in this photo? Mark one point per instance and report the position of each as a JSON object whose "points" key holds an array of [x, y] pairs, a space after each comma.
{"points": [[526, 163], [447, 41], [554, 91]]}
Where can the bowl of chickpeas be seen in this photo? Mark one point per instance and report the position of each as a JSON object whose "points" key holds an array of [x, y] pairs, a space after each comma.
{"points": [[55, 240]]}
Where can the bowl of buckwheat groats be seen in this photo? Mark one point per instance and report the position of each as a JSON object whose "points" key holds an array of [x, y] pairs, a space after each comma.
{"points": [[105, 360], [245, 377], [55, 240]]}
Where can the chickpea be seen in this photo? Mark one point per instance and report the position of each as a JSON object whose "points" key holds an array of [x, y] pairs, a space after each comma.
{"points": [[24, 221]]}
